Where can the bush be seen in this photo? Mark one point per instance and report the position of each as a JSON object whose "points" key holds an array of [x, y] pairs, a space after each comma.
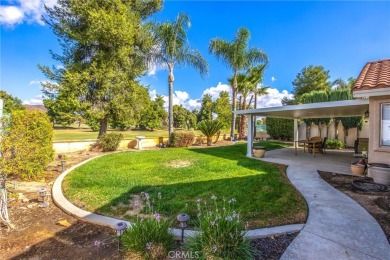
{"points": [[149, 237], [334, 144], [221, 233], [182, 139], [280, 128], [209, 128], [108, 142], [26, 147]]}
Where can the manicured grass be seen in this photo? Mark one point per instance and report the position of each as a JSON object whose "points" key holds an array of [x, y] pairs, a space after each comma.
{"points": [[264, 195]]}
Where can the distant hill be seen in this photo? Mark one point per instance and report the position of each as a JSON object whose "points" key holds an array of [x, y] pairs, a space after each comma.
{"points": [[36, 107]]}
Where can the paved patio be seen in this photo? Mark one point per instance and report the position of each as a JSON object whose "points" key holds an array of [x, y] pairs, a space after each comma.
{"points": [[337, 226]]}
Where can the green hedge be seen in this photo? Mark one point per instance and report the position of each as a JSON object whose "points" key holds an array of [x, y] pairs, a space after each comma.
{"points": [[182, 139], [26, 146], [109, 142], [280, 129]]}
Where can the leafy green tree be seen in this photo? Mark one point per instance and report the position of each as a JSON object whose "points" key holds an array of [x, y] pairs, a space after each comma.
{"points": [[223, 109], [180, 115], [206, 110], [10, 102], [209, 128], [237, 57], [103, 45], [154, 115], [309, 79], [61, 109], [173, 49]]}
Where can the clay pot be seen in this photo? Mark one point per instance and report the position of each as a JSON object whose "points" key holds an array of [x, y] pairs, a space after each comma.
{"points": [[357, 169]]}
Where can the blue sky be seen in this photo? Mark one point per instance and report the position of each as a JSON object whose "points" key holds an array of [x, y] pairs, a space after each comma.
{"points": [[341, 36]]}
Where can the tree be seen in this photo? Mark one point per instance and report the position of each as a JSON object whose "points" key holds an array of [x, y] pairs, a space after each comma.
{"points": [[10, 102], [209, 128], [248, 83], [154, 115], [309, 79], [171, 48], [223, 109], [340, 83], [61, 109], [180, 116], [237, 57], [206, 109], [103, 45]]}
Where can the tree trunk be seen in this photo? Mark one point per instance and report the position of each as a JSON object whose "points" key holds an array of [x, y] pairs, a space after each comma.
{"points": [[209, 140], [103, 126], [234, 89], [171, 78], [239, 117], [254, 117], [308, 127]]}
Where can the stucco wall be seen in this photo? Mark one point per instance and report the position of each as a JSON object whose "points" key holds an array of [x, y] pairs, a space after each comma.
{"points": [[352, 133], [377, 153]]}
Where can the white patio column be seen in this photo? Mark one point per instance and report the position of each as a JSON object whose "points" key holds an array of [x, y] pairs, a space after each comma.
{"points": [[296, 133], [249, 136]]}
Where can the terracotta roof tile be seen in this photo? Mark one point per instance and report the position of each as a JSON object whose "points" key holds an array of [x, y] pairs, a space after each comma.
{"points": [[375, 74], [36, 107]]}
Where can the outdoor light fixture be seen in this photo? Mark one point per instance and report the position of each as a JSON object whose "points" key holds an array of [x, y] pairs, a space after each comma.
{"points": [[42, 194], [120, 228], [183, 218], [63, 165], [366, 115]]}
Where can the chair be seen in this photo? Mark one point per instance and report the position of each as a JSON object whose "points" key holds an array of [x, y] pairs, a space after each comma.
{"points": [[324, 145]]}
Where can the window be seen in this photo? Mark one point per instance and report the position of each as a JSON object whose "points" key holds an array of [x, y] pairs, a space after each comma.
{"points": [[385, 124]]}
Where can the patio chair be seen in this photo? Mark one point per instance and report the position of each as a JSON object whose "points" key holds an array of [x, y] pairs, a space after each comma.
{"points": [[324, 145]]}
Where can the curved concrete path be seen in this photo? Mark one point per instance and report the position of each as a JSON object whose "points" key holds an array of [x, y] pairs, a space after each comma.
{"points": [[337, 227]]}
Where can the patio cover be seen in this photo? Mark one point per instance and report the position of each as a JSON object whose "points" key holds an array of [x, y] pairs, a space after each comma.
{"points": [[344, 108]]}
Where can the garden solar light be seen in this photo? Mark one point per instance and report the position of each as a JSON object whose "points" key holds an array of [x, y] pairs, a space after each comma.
{"points": [[42, 194], [120, 228], [183, 218], [63, 165]]}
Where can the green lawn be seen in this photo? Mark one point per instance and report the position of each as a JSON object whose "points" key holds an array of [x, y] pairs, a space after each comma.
{"points": [[264, 195]]}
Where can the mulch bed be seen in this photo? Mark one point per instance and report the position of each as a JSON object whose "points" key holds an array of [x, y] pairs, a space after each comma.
{"points": [[37, 234], [376, 203]]}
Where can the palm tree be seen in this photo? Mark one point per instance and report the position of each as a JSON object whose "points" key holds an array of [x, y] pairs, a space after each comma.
{"points": [[246, 84], [171, 48], [238, 57]]}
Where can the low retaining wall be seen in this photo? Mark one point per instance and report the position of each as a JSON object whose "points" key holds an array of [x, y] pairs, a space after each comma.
{"points": [[74, 146]]}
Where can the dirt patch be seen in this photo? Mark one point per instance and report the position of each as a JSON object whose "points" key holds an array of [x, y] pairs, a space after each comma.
{"points": [[179, 163], [376, 203]]}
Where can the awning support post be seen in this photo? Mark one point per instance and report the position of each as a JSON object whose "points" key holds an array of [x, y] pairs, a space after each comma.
{"points": [[249, 136], [296, 133]]}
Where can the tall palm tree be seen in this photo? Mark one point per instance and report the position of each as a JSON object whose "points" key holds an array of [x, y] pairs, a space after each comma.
{"points": [[171, 48], [238, 57], [248, 83]]}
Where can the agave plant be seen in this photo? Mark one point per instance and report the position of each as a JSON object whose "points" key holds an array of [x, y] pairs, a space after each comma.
{"points": [[209, 128]]}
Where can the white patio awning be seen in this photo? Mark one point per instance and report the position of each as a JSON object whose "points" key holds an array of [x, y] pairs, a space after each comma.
{"points": [[344, 108]]}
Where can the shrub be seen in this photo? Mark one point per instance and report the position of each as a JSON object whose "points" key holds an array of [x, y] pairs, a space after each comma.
{"points": [[27, 147], [108, 142], [334, 144], [182, 139], [149, 237], [221, 233], [209, 128], [280, 128]]}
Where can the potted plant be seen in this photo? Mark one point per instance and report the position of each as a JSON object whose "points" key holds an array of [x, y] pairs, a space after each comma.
{"points": [[358, 167]]}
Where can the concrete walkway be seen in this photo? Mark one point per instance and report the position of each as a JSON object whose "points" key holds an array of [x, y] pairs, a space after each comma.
{"points": [[337, 226]]}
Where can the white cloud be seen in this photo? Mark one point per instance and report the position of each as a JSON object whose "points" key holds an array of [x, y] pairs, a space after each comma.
{"points": [[214, 91], [273, 98], [10, 15], [19, 11], [273, 79], [37, 100]]}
